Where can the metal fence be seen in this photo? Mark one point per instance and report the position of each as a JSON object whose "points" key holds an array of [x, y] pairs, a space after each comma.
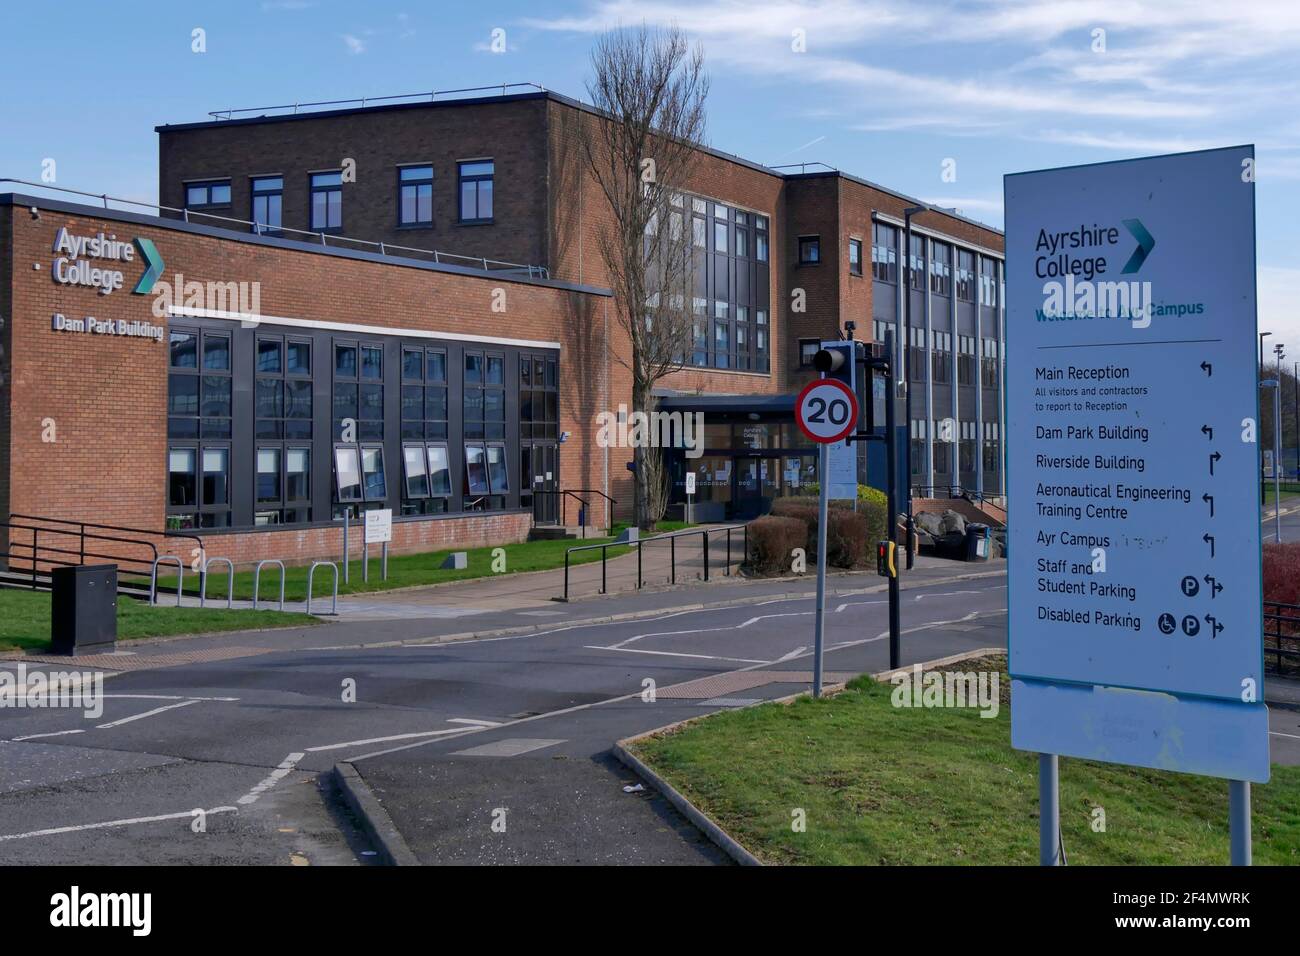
{"points": [[1282, 638], [721, 536]]}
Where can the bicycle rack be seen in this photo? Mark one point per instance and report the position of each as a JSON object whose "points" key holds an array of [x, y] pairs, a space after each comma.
{"points": [[257, 579], [334, 598], [230, 581], [153, 578]]}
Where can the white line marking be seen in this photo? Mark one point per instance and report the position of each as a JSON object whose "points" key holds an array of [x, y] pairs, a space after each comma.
{"points": [[147, 713], [793, 654], [276, 775], [701, 657], [1278, 733], [944, 594], [115, 823], [735, 627], [164, 697], [57, 733], [381, 740], [472, 721]]}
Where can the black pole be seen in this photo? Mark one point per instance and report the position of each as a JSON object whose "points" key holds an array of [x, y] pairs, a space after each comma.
{"points": [[907, 383], [891, 463], [1295, 378]]}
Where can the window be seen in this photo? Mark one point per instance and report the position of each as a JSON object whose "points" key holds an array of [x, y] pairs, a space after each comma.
{"points": [[476, 470], [855, 256], [965, 275], [198, 385], [282, 410], [484, 395], [760, 238], [916, 356], [992, 449], [359, 389], [918, 446], [213, 194], [476, 190], [989, 363], [965, 360], [326, 201], [940, 269], [942, 452], [347, 473], [988, 282], [884, 252], [698, 230], [810, 250], [372, 472], [966, 449], [415, 199], [918, 262], [198, 487], [807, 349], [720, 232], [268, 205], [760, 340], [941, 357], [424, 421], [539, 413]]}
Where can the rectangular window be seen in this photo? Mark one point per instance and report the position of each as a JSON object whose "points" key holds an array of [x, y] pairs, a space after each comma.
{"points": [[415, 470], [720, 229], [884, 252], [940, 269], [476, 470], [855, 257], [268, 205], [212, 194], [941, 358], [498, 474], [476, 190], [297, 469], [965, 275], [439, 471], [326, 201], [415, 201], [347, 473], [698, 230], [810, 250], [988, 282], [268, 476], [372, 473], [182, 481], [965, 360], [918, 262], [216, 476], [989, 363], [807, 349]]}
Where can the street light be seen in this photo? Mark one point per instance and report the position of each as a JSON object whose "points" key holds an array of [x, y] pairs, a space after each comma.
{"points": [[908, 213], [1261, 350]]}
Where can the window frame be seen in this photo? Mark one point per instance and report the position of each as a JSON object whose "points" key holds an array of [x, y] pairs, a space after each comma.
{"points": [[477, 178], [810, 241], [404, 184], [855, 268], [255, 193], [326, 190], [207, 186]]}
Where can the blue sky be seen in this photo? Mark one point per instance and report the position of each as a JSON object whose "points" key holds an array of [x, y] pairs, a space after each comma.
{"points": [[887, 90]]}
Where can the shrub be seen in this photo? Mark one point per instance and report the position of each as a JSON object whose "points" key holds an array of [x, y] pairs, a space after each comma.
{"points": [[1282, 572], [847, 537], [772, 540]]}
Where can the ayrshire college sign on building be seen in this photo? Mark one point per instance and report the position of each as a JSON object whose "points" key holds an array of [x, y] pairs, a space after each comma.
{"points": [[1134, 600]]}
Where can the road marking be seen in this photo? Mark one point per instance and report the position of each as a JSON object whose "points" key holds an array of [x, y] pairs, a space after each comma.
{"points": [[700, 657], [276, 775], [476, 723], [1278, 733], [735, 627], [52, 831], [944, 594], [165, 697], [793, 654], [510, 747], [147, 713], [56, 733], [383, 740]]}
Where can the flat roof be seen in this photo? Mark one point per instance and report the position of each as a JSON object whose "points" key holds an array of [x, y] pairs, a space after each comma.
{"points": [[294, 245], [575, 104]]}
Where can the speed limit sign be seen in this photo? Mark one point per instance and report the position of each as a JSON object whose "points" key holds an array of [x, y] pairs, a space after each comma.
{"points": [[826, 410]]}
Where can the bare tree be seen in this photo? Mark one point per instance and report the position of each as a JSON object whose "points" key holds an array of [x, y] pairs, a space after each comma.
{"points": [[650, 86]]}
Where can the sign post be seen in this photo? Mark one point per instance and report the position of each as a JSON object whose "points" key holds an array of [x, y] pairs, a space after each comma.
{"points": [[379, 530], [690, 495], [1134, 584], [826, 411]]}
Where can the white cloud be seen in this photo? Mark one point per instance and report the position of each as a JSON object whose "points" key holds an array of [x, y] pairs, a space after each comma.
{"points": [[354, 44], [1277, 309]]}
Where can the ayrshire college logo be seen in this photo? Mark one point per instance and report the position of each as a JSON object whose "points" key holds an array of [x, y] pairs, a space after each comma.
{"points": [[1074, 289]]}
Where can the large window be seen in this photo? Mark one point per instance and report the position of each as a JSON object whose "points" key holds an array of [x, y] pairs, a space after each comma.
{"points": [[988, 282], [282, 407], [476, 190], [268, 205], [884, 252], [326, 201], [415, 199], [941, 358], [211, 194], [485, 417], [539, 411], [198, 428], [965, 275], [427, 480], [965, 360], [940, 269], [989, 363], [855, 257], [916, 355], [918, 262]]}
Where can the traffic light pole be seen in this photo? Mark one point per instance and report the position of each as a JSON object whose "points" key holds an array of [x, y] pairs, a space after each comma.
{"points": [[891, 463]]}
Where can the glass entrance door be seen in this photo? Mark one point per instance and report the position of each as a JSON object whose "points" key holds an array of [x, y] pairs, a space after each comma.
{"points": [[541, 476], [756, 486]]}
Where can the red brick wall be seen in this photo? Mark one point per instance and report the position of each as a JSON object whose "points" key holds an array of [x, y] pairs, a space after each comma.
{"points": [[107, 394]]}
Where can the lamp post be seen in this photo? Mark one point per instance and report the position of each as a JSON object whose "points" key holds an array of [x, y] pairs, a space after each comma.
{"points": [[908, 213], [1295, 380], [1261, 351]]}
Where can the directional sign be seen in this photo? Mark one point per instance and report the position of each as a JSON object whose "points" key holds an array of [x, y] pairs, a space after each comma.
{"points": [[826, 410], [1134, 577], [379, 525], [690, 482]]}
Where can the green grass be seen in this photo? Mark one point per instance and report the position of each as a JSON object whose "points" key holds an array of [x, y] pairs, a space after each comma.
{"points": [[25, 620], [1289, 491], [882, 785], [408, 570]]}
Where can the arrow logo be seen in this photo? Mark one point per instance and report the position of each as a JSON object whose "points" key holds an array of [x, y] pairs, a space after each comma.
{"points": [[1213, 458], [1207, 430], [1209, 539], [1209, 500], [1215, 586], [1145, 245], [153, 263], [1208, 369]]}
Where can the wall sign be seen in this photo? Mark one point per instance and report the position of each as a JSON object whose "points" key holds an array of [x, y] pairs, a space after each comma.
{"points": [[1134, 599], [75, 264]]}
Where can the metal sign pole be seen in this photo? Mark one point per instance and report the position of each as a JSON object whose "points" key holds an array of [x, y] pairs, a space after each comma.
{"points": [[1239, 821], [346, 554], [1049, 810], [891, 486], [365, 559], [823, 498], [1277, 460], [383, 556]]}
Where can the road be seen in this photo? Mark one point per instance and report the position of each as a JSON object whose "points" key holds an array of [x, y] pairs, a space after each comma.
{"points": [[453, 737]]}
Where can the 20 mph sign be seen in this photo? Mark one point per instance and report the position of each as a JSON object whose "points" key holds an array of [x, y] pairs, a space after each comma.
{"points": [[826, 410]]}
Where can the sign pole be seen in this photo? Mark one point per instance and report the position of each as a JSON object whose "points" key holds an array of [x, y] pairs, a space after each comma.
{"points": [[1049, 810], [823, 499], [1239, 821], [1277, 459], [891, 486]]}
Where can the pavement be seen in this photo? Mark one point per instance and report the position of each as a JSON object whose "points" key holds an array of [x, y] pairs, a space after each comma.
{"points": [[486, 738]]}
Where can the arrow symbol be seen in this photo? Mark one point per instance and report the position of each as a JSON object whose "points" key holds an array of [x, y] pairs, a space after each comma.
{"points": [[1209, 539], [1207, 430], [1213, 458], [1215, 586], [1207, 368], [1211, 620], [1209, 499], [1145, 245], [153, 266]]}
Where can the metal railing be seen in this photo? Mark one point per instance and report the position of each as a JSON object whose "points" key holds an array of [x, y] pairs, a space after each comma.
{"points": [[257, 579], [564, 494], [89, 531], [1282, 638], [180, 578], [429, 96], [324, 238], [334, 598], [671, 537]]}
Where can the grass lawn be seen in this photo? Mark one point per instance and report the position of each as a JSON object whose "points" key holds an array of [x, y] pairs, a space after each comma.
{"points": [[25, 620], [405, 570], [1290, 490], [885, 785]]}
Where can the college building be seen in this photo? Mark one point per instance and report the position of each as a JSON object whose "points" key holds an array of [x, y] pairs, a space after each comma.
{"points": [[403, 305]]}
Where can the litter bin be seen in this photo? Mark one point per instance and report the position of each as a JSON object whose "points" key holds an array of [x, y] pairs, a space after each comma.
{"points": [[83, 609], [977, 542]]}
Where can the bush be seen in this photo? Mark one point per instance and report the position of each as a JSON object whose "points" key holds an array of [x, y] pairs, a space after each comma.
{"points": [[1282, 573], [772, 540], [847, 539]]}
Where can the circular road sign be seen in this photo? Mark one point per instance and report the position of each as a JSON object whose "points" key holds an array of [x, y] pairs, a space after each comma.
{"points": [[826, 410]]}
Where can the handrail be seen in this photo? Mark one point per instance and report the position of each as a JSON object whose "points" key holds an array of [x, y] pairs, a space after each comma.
{"points": [[153, 579], [671, 537], [470, 262], [363, 100], [334, 605], [230, 582], [257, 579]]}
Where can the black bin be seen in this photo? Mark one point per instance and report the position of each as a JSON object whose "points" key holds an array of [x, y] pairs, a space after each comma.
{"points": [[978, 540], [83, 609]]}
